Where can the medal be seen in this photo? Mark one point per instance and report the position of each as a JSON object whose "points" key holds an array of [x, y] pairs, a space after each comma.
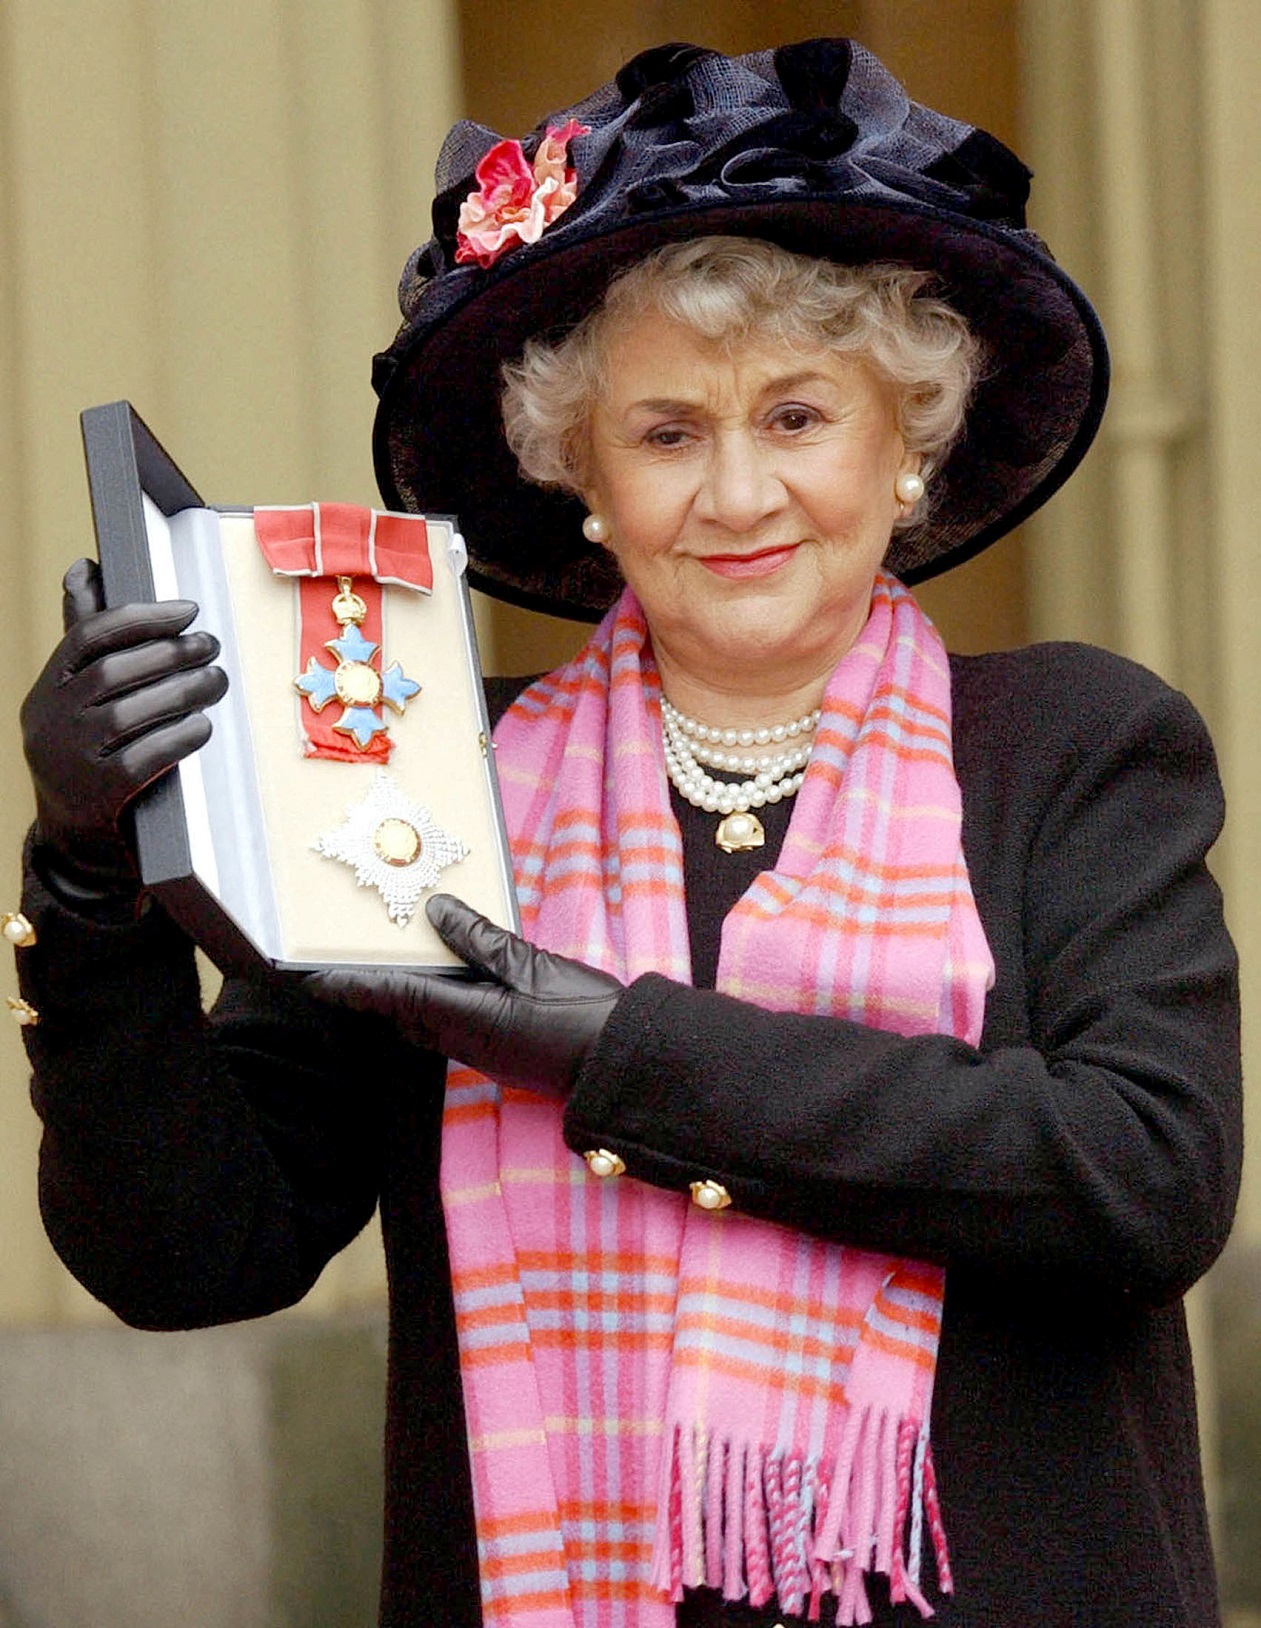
{"points": [[362, 553], [355, 682], [394, 845]]}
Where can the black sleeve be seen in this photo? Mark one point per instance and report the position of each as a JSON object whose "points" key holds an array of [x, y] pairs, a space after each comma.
{"points": [[1096, 1131], [194, 1169]]}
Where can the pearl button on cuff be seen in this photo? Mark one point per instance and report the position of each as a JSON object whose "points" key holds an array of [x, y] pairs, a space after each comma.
{"points": [[600, 1162], [17, 930], [22, 1012], [710, 1195]]}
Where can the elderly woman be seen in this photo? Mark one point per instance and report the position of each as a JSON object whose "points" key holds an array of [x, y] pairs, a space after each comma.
{"points": [[801, 1229]]}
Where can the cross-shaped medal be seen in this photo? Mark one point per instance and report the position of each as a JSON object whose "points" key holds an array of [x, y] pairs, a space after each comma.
{"points": [[355, 682]]}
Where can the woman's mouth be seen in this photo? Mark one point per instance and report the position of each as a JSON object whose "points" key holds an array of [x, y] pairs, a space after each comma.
{"points": [[761, 564]]}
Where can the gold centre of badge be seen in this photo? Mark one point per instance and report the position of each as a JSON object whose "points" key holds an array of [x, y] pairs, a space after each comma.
{"points": [[397, 842], [394, 845], [357, 684]]}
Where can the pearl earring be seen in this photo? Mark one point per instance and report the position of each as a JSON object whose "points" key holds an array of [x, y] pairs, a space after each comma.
{"points": [[909, 487], [595, 528]]}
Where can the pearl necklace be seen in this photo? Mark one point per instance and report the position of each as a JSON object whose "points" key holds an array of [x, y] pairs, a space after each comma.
{"points": [[773, 775]]}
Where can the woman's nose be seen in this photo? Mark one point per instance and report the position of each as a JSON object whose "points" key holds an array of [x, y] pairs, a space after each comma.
{"points": [[740, 487]]}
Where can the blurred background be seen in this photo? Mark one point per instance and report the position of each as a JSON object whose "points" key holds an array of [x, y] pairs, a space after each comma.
{"points": [[204, 208]]}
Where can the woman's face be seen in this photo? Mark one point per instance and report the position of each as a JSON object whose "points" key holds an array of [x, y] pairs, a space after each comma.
{"points": [[750, 499]]}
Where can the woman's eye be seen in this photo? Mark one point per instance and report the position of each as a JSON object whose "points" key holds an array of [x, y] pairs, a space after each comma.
{"points": [[666, 437], [794, 419]]}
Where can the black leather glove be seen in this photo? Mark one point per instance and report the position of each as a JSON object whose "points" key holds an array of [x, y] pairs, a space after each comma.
{"points": [[532, 1022], [119, 702]]}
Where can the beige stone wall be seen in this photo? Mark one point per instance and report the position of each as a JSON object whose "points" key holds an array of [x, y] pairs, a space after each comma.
{"points": [[1143, 121], [204, 209], [1232, 215]]}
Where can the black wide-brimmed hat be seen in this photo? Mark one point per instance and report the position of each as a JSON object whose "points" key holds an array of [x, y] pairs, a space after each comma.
{"points": [[814, 147]]}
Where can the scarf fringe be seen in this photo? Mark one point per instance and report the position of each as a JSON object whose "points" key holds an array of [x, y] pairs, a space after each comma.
{"points": [[773, 1525]]}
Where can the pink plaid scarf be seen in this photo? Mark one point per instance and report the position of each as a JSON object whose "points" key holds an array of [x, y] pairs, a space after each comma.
{"points": [[660, 1397]]}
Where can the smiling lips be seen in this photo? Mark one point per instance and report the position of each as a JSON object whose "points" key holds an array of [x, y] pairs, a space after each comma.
{"points": [[760, 564]]}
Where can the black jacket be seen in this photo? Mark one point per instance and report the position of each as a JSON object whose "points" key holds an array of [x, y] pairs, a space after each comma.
{"points": [[1076, 1173]]}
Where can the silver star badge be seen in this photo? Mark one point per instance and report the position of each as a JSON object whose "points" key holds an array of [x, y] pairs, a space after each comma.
{"points": [[394, 845]]}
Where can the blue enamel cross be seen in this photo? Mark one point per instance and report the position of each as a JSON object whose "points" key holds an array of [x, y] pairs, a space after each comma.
{"points": [[355, 682]]}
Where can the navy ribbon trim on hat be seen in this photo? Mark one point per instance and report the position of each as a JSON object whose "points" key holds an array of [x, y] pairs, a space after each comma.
{"points": [[714, 131]]}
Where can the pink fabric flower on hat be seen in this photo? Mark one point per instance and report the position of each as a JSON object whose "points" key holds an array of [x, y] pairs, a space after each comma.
{"points": [[516, 203]]}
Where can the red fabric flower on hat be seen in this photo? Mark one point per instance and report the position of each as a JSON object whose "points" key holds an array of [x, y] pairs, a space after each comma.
{"points": [[514, 202]]}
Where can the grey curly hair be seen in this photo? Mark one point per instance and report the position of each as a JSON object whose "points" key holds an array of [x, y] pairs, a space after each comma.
{"points": [[731, 289]]}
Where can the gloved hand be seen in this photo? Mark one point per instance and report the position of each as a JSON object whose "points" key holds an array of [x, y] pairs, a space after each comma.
{"points": [[118, 703], [532, 1022]]}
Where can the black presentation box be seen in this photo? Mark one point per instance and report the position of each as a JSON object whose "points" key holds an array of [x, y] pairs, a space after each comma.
{"points": [[228, 840]]}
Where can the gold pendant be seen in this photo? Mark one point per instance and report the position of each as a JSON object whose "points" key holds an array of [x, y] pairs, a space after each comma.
{"points": [[739, 832]]}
